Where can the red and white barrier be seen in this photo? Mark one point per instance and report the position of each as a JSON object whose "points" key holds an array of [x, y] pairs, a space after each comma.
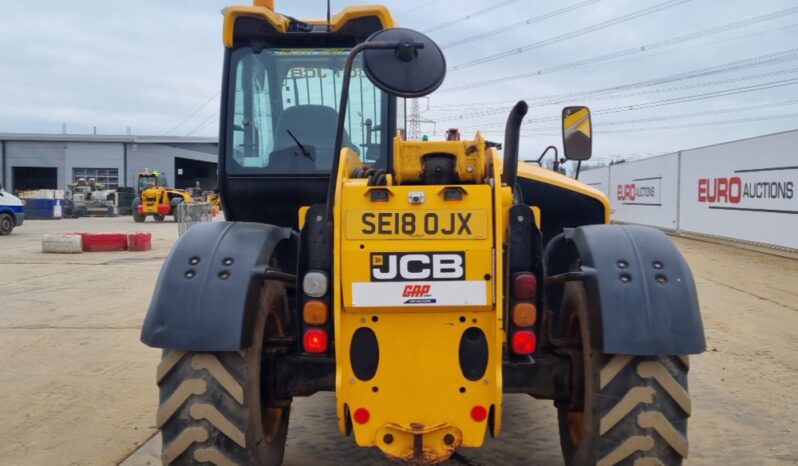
{"points": [[77, 242], [139, 241]]}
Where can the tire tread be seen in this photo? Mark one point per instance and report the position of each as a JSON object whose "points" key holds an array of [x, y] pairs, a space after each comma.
{"points": [[646, 399], [199, 416]]}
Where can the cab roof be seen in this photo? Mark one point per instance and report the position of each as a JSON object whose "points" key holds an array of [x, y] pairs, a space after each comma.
{"points": [[361, 21]]}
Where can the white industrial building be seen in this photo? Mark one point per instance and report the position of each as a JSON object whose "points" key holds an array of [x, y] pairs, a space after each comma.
{"points": [[52, 161]]}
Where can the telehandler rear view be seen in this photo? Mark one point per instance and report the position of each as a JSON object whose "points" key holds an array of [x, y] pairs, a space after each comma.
{"points": [[418, 280]]}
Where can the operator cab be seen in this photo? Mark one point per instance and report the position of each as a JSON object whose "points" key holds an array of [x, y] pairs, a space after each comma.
{"points": [[152, 180], [281, 94]]}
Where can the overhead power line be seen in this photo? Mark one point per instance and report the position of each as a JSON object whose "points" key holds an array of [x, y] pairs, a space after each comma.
{"points": [[493, 108], [473, 14], [678, 116], [487, 107], [705, 123], [519, 24], [557, 118], [417, 7], [704, 96], [570, 35], [684, 126], [191, 114], [631, 51], [213, 117], [672, 101]]}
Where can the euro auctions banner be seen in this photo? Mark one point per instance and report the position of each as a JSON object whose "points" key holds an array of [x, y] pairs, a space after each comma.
{"points": [[743, 190], [646, 191]]}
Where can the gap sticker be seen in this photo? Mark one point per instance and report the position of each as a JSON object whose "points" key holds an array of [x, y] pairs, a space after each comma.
{"points": [[421, 293]]}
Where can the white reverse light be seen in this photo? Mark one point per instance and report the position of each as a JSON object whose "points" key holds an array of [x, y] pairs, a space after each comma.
{"points": [[315, 284]]}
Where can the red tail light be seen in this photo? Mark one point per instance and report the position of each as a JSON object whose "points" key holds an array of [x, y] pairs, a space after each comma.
{"points": [[140, 209], [315, 341], [525, 286], [362, 415], [163, 209], [524, 342], [479, 413]]}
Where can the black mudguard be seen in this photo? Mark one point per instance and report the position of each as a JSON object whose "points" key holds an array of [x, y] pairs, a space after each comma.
{"points": [[203, 301], [640, 288]]}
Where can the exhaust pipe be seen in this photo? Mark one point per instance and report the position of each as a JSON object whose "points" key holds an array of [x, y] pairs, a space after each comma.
{"points": [[512, 134]]}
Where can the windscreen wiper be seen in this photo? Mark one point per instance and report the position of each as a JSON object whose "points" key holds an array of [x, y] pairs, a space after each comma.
{"points": [[304, 150]]}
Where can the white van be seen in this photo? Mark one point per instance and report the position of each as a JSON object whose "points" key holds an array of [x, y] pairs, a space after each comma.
{"points": [[11, 212]]}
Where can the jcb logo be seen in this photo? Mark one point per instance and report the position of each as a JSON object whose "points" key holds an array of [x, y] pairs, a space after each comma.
{"points": [[416, 291], [399, 266]]}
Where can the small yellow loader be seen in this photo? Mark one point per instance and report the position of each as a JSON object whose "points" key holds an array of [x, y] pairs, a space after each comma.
{"points": [[155, 197]]}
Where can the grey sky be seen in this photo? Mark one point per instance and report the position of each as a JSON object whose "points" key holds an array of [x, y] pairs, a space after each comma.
{"points": [[149, 64]]}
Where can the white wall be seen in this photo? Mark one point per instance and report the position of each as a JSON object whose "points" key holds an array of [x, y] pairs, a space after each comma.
{"points": [[93, 155], [598, 178], [744, 190], [646, 191]]}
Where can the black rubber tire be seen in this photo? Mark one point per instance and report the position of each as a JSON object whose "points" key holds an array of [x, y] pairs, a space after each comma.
{"points": [[138, 218], [159, 218], [6, 224], [211, 404], [174, 203], [635, 407]]}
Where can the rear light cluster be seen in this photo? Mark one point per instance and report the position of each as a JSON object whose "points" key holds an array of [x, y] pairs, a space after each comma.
{"points": [[315, 313], [315, 340], [523, 313]]}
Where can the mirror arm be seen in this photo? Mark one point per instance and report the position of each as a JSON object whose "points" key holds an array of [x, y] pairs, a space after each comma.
{"points": [[339, 134], [512, 135], [545, 151], [578, 167]]}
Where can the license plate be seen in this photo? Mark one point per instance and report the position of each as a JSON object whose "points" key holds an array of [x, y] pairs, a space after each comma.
{"points": [[418, 224]]}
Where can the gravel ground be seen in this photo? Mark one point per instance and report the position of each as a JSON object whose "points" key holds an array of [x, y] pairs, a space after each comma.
{"points": [[77, 387]]}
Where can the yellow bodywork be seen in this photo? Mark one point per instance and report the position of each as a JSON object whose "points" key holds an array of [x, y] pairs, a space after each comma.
{"points": [[419, 402], [470, 165], [544, 175], [159, 194], [153, 197], [419, 395]]}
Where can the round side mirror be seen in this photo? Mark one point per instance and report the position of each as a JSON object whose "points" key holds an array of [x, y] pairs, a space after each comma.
{"points": [[414, 69]]}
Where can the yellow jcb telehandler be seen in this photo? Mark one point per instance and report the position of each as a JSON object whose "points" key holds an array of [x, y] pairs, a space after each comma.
{"points": [[418, 280], [155, 197]]}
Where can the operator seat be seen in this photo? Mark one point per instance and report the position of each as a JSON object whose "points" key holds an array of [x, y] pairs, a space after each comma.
{"points": [[312, 125]]}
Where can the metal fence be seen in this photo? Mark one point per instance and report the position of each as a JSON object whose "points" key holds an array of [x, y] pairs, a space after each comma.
{"points": [[190, 213]]}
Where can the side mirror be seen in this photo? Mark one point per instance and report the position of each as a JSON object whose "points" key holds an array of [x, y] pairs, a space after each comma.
{"points": [[577, 133], [399, 61], [408, 64]]}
